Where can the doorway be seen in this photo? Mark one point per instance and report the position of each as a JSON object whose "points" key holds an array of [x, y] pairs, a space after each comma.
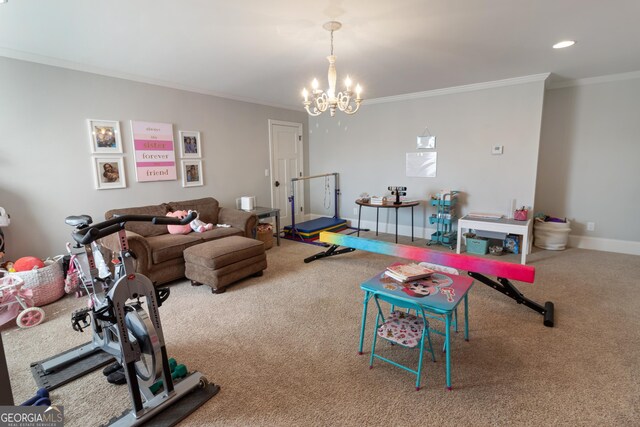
{"points": [[286, 161]]}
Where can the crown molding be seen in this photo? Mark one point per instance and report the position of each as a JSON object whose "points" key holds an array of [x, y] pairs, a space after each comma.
{"points": [[594, 80], [61, 63], [460, 89]]}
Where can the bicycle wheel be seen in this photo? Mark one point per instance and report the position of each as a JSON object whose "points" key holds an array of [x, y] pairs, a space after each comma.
{"points": [[149, 367]]}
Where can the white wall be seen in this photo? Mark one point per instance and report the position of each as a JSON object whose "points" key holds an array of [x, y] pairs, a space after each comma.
{"points": [[588, 167], [45, 158], [368, 150]]}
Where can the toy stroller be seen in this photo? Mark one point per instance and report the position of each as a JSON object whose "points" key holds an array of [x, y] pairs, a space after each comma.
{"points": [[13, 299]]}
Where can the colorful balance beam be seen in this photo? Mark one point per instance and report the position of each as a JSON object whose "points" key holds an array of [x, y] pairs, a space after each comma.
{"points": [[475, 266]]}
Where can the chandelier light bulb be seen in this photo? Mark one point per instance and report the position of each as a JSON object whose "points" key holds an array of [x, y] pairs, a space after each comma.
{"points": [[347, 82], [318, 101]]}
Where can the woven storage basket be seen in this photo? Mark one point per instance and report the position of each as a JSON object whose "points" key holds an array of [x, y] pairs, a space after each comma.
{"points": [[264, 233], [47, 283]]}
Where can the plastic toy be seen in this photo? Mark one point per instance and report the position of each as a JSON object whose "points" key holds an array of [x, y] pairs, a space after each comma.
{"points": [[13, 298], [199, 226], [178, 229], [27, 263]]}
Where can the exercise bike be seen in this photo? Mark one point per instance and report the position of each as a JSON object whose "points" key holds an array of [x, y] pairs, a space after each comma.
{"points": [[122, 327]]}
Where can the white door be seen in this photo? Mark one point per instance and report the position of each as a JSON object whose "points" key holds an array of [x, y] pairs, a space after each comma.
{"points": [[286, 150]]}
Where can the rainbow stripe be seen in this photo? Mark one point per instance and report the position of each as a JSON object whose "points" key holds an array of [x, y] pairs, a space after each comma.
{"points": [[524, 273]]}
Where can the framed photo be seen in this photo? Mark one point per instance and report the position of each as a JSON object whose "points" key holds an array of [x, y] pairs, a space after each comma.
{"points": [[105, 136], [426, 142], [109, 172], [190, 147], [192, 173]]}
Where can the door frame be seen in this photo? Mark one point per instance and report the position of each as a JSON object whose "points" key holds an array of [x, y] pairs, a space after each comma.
{"points": [[300, 194]]}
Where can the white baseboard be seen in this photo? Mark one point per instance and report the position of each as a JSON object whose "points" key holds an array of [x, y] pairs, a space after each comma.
{"points": [[607, 245], [390, 228]]}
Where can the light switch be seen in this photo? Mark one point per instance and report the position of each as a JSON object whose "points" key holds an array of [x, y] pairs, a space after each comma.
{"points": [[497, 149]]}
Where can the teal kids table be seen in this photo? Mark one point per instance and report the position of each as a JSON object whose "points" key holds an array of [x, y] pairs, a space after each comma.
{"points": [[439, 295]]}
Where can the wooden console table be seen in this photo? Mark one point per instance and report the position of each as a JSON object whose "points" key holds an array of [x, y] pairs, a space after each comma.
{"points": [[386, 205], [501, 225]]}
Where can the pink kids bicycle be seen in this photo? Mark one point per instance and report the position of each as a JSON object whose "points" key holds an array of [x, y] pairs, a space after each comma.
{"points": [[17, 303]]}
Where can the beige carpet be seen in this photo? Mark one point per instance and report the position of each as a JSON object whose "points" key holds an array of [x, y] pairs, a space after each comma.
{"points": [[283, 349]]}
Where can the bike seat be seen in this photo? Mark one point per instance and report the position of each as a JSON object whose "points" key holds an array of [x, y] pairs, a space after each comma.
{"points": [[77, 220]]}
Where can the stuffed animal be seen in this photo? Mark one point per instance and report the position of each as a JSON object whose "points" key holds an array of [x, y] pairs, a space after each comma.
{"points": [[178, 229], [199, 226]]}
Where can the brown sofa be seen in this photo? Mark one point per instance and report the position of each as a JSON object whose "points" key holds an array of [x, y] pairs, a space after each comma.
{"points": [[158, 254]]}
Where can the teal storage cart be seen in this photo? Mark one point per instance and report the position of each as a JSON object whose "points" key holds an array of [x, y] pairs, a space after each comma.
{"points": [[444, 219]]}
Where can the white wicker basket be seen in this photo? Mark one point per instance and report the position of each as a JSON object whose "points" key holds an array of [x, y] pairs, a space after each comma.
{"points": [[47, 283]]}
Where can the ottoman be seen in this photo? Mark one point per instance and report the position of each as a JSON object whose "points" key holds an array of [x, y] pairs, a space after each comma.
{"points": [[218, 263]]}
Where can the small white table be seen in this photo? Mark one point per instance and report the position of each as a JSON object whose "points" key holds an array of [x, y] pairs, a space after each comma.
{"points": [[501, 225]]}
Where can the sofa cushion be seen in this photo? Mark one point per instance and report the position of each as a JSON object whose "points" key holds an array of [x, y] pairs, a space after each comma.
{"points": [[145, 229], [170, 246], [207, 208], [219, 232]]}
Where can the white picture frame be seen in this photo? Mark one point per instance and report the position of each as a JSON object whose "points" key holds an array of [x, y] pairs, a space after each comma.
{"points": [[190, 147], [422, 165], [108, 172], [192, 173], [105, 136], [426, 142]]}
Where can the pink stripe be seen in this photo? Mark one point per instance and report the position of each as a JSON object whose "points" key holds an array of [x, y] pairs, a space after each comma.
{"points": [[154, 164], [153, 144]]}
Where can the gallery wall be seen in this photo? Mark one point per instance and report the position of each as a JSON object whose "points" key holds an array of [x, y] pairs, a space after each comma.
{"points": [[588, 167], [369, 149], [46, 171]]}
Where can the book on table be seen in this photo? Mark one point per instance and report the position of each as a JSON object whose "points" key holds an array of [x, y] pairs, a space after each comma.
{"points": [[408, 272]]}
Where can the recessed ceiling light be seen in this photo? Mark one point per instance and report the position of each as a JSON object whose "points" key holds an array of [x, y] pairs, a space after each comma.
{"points": [[563, 44]]}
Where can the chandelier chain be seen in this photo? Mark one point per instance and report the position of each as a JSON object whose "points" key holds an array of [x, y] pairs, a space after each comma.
{"points": [[331, 42]]}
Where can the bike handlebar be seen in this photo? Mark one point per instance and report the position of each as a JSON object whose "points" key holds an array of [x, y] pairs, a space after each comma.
{"points": [[94, 232]]}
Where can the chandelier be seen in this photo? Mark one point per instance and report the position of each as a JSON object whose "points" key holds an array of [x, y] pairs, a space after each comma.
{"points": [[316, 102]]}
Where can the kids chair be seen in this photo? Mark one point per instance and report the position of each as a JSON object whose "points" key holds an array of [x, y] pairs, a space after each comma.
{"points": [[402, 328]]}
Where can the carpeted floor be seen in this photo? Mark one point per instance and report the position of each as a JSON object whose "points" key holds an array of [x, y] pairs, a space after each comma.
{"points": [[283, 349]]}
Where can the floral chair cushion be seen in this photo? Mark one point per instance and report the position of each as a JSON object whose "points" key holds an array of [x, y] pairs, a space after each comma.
{"points": [[402, 328]]}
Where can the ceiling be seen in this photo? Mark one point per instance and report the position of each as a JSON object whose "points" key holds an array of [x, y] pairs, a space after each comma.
{"points": [[267, 51]]}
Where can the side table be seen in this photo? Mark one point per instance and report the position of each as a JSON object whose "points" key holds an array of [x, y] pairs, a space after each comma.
{"points": [[264, 212]]}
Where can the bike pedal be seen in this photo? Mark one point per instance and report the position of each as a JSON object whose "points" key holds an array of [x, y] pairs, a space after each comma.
{"points": [[79, 320]]}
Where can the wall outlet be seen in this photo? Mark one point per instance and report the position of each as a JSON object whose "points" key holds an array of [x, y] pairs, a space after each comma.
{"points": [[497, 149], [266, 172], [591, 226]]}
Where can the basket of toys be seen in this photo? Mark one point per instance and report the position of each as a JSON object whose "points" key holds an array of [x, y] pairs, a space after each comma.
{"points": [[45, 279], [265, 233]]}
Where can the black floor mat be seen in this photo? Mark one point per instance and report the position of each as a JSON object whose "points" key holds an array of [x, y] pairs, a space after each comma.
{"points": [[70, 372], [179, 409]]}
